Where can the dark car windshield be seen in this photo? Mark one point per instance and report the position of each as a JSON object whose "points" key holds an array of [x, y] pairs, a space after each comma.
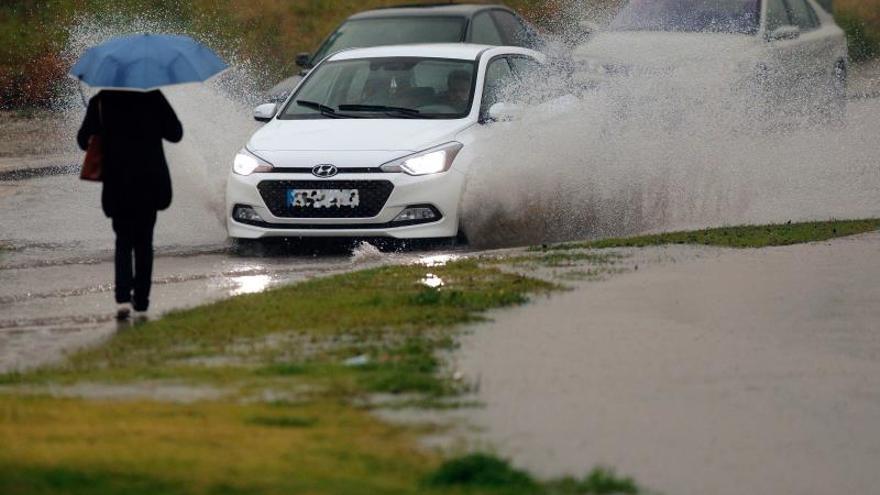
{"points": [[388, 87], [715, 16], [365, 33]]}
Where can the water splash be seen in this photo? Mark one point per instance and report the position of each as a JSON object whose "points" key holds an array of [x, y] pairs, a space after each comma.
{"points": [[665, 150], [365, 252], [216, 117]]}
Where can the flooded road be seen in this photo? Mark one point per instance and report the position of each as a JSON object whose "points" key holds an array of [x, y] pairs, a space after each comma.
{"points": [[56, 281], [712, 371]]}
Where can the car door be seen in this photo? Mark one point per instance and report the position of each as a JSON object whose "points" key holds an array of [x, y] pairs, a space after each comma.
{"points": [[812, 52], [496, 84], [801, 63], [783, 64]]}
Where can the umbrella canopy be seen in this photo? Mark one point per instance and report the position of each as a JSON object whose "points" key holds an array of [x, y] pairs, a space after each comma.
{"points": [[145, 62]]}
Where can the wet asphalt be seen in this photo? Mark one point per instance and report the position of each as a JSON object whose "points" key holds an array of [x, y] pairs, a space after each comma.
{"points": [[56, 291]]}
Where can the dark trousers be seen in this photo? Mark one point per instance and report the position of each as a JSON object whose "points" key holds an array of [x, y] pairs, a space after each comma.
{"points": [[134, 235]]}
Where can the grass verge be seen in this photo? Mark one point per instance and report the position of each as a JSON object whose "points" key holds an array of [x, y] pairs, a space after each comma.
{"points": [[487, 472], [751, 236], [281, 376]]}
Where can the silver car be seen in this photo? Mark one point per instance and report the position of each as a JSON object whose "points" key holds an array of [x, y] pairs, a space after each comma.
{"points": [[789, 53]]}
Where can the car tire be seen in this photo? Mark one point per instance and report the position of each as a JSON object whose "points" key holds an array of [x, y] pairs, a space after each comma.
{"points": [[461, 238]]}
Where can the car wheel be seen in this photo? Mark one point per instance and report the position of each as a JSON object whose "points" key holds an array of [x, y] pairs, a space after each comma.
{"points": [[461, 238]]}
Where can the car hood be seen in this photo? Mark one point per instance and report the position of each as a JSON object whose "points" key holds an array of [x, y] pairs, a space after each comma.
{"points": [[664, 49], [373, 135]]}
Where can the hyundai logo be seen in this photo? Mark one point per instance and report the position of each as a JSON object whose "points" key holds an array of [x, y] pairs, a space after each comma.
{"points": [[324, 170]]}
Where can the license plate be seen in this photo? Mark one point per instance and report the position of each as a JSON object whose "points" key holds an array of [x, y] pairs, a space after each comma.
{"points": [[323, 198]]}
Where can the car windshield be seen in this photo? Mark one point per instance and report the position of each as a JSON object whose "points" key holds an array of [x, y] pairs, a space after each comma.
{"points": [[715, 16], [365, 33], [392, 87]]}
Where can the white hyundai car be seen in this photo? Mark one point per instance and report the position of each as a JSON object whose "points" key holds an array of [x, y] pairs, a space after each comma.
{"points": [[374, 142], [789, 54]]}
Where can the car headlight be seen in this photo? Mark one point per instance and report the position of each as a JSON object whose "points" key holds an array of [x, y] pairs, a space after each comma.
{"points": [[246, 163], [431, 161]]}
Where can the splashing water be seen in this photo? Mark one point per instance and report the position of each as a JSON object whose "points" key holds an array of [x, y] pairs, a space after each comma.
{"points": [[638, 155], [664, 151], [216, 117], [365, 252]]}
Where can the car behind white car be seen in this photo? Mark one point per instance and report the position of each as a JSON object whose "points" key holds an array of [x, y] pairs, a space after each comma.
{"points": [[374, 142], [789, 54]]}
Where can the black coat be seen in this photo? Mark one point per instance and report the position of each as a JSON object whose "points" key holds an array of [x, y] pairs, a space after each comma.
{"points": [[132, 126]]}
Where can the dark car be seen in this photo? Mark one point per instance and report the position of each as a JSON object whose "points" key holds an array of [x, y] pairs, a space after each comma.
{"points": [[404, 25]]}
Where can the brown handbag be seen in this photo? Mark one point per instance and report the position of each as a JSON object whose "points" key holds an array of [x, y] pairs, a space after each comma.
{"points": [[93, 164]]}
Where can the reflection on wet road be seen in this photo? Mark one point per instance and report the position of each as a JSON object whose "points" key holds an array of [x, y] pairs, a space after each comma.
{"points": [[48, 309]]}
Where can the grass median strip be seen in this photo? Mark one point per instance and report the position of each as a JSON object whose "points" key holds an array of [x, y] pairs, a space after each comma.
{"points": [[285, 370], [749, 236]]}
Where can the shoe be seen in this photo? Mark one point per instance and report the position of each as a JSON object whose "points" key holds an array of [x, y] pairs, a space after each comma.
{"points": [[141, 317], [123, 311]]}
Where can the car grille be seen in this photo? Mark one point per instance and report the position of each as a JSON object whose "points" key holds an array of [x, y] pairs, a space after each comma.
{"points": [[373, 195]]}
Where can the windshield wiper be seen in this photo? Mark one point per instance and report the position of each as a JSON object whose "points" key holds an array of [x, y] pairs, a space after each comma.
{"points": [[325, 110], [409, 112]]}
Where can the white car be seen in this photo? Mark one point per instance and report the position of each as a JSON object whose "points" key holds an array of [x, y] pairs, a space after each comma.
{"points": [[374, 142], [789, 51]]}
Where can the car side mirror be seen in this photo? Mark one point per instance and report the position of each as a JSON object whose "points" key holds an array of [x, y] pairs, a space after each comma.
{"points": [[265, 112], [504, 112], [784, 33], [304, 60]]}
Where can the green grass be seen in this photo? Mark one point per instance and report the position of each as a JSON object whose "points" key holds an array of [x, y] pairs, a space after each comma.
{"points": [[490, 473], [751, 236], [291, 417], [482, 471]]}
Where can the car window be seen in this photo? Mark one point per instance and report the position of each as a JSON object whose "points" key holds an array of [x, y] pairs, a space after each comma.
{"points": [[499, 78], [803, 15], [777, 15], [716, 16], [365, 33], [514, 31], [434, 87], [526, 67], [484, 31]]}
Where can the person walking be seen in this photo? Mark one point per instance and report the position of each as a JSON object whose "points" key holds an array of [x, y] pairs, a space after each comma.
{"points": [[136, 181], [131, 118]]}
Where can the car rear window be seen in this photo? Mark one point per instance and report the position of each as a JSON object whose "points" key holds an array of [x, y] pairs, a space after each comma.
{"points": [[716, 16], [365, 33]]}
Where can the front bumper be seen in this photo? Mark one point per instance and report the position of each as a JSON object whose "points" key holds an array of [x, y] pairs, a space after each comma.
{"points": [[441, 191]]}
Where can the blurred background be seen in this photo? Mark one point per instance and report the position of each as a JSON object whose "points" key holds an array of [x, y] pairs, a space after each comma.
{"points": [[265, 34]]}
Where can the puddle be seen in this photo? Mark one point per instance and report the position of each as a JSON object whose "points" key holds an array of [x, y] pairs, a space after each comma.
{"points": [[437, 260], [251, 284], [432, 281]]}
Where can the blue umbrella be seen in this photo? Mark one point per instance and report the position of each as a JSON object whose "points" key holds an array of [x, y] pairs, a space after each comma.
{"points": [[144, 62]]}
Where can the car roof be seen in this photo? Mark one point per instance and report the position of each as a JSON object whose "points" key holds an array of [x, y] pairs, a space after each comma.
{"points": [[462, 51], [463, 10]]}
